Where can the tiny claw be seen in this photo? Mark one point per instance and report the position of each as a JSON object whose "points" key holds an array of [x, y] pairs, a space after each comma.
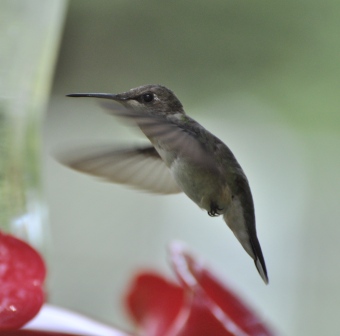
{"points": [[214, 210]]}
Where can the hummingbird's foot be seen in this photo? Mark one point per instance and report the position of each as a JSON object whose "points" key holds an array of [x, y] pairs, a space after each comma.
{"points": [[214, 210]]}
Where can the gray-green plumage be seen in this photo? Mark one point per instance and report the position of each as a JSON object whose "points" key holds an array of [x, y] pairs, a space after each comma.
{"points": [[182, 156]]}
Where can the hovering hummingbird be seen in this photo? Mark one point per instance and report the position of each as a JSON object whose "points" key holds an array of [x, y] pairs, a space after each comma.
{"points": [[182, 156]]}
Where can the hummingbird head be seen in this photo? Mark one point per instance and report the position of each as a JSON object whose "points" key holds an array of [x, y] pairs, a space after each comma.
{"points": [[153, 98]]}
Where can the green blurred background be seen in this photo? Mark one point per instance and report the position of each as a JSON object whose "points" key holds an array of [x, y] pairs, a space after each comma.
{"points": [[262, 76]]}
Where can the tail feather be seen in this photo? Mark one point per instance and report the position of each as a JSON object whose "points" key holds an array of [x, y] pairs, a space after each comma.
{"points": [[259, 261], [261, 268], [241, 220]]}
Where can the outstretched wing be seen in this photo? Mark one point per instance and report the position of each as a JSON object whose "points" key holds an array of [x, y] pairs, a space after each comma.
{"points": [[141, 168], [177, 135]]}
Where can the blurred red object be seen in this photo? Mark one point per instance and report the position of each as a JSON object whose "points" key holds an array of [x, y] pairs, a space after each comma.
{"points": [[34, 333], [22, 275], [201, 305]]}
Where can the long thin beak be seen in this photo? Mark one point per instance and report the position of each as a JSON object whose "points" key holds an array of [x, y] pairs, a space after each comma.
{"points": [[111, 96]]}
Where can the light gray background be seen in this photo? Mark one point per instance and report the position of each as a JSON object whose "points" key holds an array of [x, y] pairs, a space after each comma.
{"points": [[261, 76]]}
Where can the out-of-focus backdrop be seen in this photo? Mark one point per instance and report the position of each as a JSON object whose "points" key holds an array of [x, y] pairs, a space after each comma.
{"points": [[263, 77]]}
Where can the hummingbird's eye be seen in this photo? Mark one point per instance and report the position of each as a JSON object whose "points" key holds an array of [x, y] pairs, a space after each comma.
{"points": [[148, 97]]}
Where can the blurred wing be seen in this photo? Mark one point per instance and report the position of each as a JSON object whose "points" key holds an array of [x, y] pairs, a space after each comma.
{"points": [[186, 139], [141, 168]]}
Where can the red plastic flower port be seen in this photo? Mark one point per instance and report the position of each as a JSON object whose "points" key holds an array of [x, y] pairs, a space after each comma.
{"points": [[22, 273], [201, 305]]}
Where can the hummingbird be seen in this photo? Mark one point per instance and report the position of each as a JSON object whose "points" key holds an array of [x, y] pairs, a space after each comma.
{"points": [[182, 156]]}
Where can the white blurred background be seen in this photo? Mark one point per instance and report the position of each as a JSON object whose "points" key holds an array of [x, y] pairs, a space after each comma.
{"points": [[264, 78]]}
